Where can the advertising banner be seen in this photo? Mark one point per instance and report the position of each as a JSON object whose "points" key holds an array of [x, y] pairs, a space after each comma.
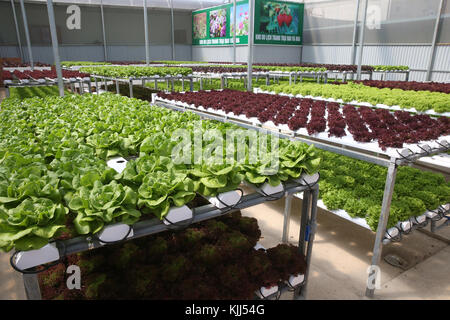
{"points": [[276, 22], [214, 26]]}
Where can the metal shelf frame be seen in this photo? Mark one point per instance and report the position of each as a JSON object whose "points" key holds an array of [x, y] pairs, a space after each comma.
{"points": [[391, 163], [385, 73], [50, 82], [153, 226], [130, 81]]}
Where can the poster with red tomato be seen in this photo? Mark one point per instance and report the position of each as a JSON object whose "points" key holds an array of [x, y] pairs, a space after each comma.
{"points": [[278, 22]]}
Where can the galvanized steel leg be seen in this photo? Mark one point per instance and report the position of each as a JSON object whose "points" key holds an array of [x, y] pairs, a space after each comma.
{"points": [[287, 217], [311, 226], [89, 86], [31, 284], [191, 84], [117, 87], [382, 223], [131, 88]]}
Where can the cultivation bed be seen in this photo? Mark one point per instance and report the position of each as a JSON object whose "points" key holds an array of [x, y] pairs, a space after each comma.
{"points": [[385, 73], [402, 228], [390, 158], [346, 141], [119, 233], [155, 79], [357, 103]]}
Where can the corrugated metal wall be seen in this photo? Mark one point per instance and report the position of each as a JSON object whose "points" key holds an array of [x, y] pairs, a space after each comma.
{"points": [[95, 53], [261, 53], [414, 56]]}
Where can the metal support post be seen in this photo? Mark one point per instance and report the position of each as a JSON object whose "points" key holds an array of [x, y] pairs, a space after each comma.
{"points": [[355, 29], [19, 42], [131, 87], [105, 53], [31, 284], [117, 87], [89, 86], [287, 217], [381, 229], [96, 86], [147, 49], [234, 33], [310, 224], [51, 19], [191, 84], [433, 43], [361, 40], [251, 6], [27, 34], [173, 30]]}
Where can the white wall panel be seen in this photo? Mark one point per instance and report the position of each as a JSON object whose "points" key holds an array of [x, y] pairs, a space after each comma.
{"points": [[95, 53], [414, 56], [261, 53]]}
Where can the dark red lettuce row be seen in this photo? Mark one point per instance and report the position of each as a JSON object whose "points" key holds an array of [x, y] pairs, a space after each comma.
{"points": [[408, 85], [42, 74], [389, 129]]}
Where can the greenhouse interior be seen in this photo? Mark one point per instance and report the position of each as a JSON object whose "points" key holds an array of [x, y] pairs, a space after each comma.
{"points": [[225, 150]]}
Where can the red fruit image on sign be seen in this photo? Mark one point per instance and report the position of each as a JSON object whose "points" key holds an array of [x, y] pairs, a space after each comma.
{"points": [[280, 19], [288, 20]]}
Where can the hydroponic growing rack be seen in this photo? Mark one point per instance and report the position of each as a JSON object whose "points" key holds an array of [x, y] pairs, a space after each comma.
{"points": [[384, 74], [309, 188], [390, 158]]}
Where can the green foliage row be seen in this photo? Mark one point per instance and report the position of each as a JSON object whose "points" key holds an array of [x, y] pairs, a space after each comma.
{"points": [[357, 187], [54, 177], [290, 69], [36, 91], [389, 68], [420, 100], [84, 63], [135, 72], [173, 62]]}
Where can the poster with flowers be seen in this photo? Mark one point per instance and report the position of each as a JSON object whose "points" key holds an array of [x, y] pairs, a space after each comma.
{"points": [[218, 23], [278, 22], [242, 19], [200, 25]]}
